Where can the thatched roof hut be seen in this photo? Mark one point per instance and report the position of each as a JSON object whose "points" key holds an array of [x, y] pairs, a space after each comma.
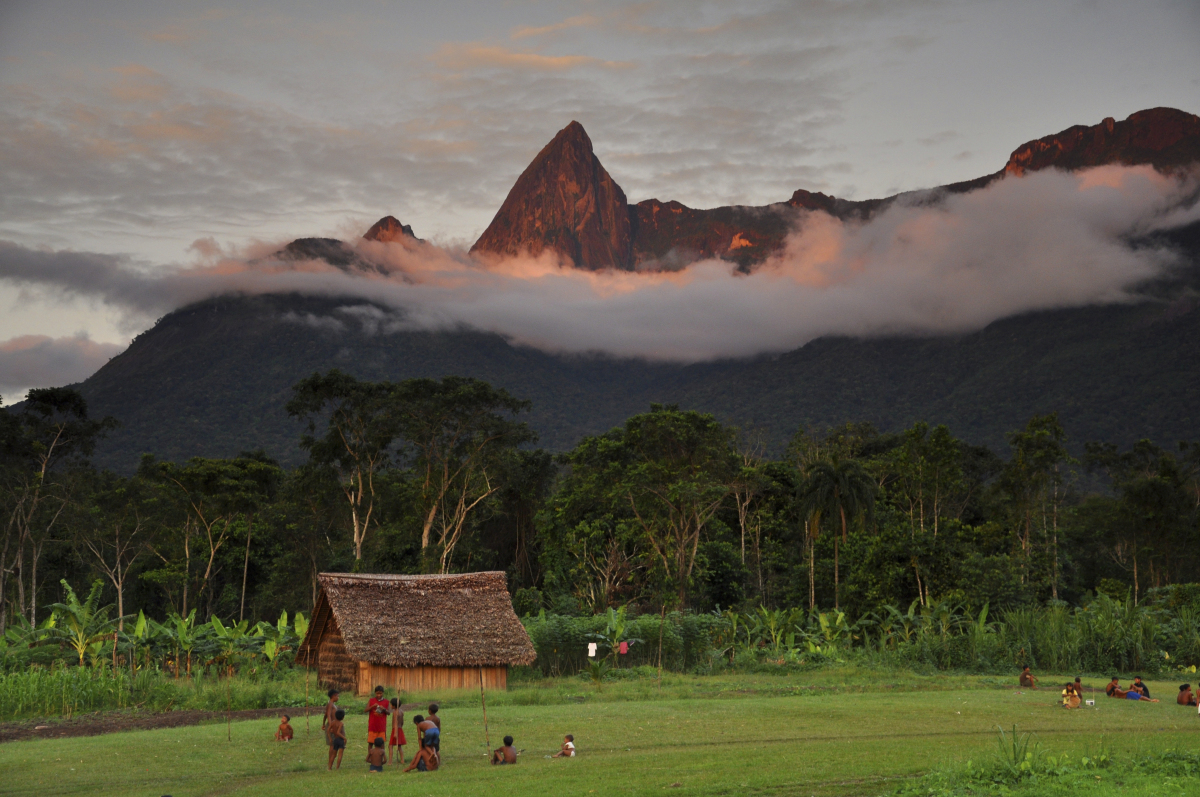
{"points": [[414, 632]]}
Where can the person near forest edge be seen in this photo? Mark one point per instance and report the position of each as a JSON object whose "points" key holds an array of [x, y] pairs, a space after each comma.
{"points": [[330, 709], [284, 734], [426, 759], [1027, 679], [568, 748], [1141, 687], [397, 740], [1070, 698], [1186, 697], [376, 757], [377, 712], [1114, 689], [337, 738], [506, 754]]}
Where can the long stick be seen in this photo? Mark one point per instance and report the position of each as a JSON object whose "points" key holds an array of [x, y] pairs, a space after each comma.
{"points": [[662, 621], [307, 729], [483, 702]]}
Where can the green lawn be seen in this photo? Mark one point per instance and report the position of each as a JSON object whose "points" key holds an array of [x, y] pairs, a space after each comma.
{"points": [[855, 740]]}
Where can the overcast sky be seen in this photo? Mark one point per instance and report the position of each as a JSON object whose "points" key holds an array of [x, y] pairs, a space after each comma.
{"points": [[138, 128]]}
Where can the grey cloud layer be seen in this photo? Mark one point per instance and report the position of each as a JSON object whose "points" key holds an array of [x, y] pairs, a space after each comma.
{"points": [[1047, 240], [42, 361]]}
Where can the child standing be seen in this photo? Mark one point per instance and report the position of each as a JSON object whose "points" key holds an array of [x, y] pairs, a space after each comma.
{"points": [[330, 709], [397, 740], [337, 738], [377, 717], [376, 756], [284, 734]]}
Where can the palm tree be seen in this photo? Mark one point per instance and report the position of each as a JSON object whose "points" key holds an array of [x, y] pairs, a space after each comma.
{"points": [[837, 487]]}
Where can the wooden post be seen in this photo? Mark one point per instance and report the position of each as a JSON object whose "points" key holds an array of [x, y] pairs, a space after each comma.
{"points": [[307, 728], [662, 621], [483, 702]]}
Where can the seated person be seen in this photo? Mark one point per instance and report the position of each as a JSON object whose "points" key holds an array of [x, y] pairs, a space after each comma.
{"points": [[1027, 679], [376, 756], [284, 734], [426, 759], [506, 754], [1141, 687], [1134, 694], [1114, 689], [1070, 698], [568, 748], [1186, 697]]}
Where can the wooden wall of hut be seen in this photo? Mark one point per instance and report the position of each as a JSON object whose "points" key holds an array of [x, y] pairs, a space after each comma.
{"points": [[334, 665], [424, 679]]}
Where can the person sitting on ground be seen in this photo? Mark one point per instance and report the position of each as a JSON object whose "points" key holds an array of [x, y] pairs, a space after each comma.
{"points": [[506, 754], [1186, 698], [1027, 679], [1070, 698], [1141, 687], [426, 759], [330, 709], [337, 738], [284, 734], [377, 717], [398, 740], [376, 757], [1114, 689], [568, 748], [1133, 694]]}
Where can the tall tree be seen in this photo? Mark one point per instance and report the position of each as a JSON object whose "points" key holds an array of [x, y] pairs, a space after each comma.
{"points": [[42, 448], [1033, 479], [360, 425], [118, 530], [840, 489], [457, 433]]}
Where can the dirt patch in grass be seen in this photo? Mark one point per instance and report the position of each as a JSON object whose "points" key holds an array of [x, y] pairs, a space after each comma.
{"points": [[119, 721]]}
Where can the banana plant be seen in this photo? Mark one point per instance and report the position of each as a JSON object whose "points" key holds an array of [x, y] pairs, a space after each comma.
{"points": [[276, 638], [230, 639], [82, 622], [614, 633], [184, 636]]}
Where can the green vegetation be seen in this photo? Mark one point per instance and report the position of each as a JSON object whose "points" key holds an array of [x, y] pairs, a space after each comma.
{"points": [[843, 731]]}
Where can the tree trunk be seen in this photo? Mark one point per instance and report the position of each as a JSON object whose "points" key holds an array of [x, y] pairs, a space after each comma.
{"points": [[246, 568], [836, 585]]}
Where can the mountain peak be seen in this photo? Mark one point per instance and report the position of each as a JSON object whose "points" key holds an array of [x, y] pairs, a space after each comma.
{"points": [[1163, 137], [389, 229], [564, 201]]}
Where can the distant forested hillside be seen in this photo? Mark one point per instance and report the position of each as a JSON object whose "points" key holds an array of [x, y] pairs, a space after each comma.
{"points": [[212, 379]]}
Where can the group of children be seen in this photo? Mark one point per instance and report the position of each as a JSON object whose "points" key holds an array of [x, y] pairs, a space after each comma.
{"points": [[1072, 693], [429, 736]]}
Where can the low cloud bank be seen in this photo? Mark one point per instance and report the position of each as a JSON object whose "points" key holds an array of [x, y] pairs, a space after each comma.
{"points": [[40, 361], [929, 266]]}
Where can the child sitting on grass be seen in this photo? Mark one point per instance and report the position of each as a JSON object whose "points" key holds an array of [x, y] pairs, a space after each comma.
{"points": [[337, 738], [568, 748], [506, 754], [376, 757], [426, 759], [284, 734]]}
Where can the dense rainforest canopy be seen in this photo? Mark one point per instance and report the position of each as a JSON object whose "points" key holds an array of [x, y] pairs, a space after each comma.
{"points": [[670, 510]]}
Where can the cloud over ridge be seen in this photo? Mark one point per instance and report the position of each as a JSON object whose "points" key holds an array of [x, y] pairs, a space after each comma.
{"points": [[931, 265]]}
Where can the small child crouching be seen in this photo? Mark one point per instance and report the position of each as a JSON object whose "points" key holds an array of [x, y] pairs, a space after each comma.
{"points": [[377, 756]]}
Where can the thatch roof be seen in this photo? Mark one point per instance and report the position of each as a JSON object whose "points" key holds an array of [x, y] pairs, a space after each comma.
{"points": [[463, 620]]}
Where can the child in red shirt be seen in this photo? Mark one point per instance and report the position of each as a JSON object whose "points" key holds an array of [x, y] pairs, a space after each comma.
{"points": [[378, 709]]}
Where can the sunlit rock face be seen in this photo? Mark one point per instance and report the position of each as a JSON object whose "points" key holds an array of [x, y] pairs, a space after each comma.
{"points": [[564, 201], [1163, 137], [389, 230]]}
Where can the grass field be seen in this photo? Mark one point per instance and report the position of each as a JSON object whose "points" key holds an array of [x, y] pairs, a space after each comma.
{"points": [[769, 735]]}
